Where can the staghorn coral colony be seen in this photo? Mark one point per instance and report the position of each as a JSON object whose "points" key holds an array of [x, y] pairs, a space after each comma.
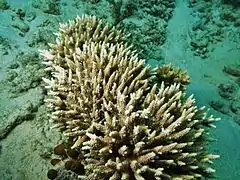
{"points": [[122, 119]]}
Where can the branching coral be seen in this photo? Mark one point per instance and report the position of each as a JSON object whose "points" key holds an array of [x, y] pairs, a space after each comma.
{"points": [[170, 74], [121, 122]]}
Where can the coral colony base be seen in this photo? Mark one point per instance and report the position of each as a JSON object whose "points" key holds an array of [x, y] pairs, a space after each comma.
{"points": [[123, 119]]}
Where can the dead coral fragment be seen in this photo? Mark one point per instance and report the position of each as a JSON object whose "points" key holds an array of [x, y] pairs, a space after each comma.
{"points": [[121, 123]]}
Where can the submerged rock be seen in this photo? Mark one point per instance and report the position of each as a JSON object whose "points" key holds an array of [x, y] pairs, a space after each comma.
{"points": [[3, 5]]}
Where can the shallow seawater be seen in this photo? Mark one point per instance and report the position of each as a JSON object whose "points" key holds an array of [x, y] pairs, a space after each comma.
{"points": [[199, 37]]}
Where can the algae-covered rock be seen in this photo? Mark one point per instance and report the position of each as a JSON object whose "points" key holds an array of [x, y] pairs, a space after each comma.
{"points": [[47, 6], [3, 5]]}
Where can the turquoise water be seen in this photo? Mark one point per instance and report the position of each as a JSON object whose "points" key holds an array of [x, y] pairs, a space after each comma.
{"points": [[201, 37]]}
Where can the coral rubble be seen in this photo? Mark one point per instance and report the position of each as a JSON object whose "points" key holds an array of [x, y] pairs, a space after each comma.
{"points": [[215, 20], [122, 119]]}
